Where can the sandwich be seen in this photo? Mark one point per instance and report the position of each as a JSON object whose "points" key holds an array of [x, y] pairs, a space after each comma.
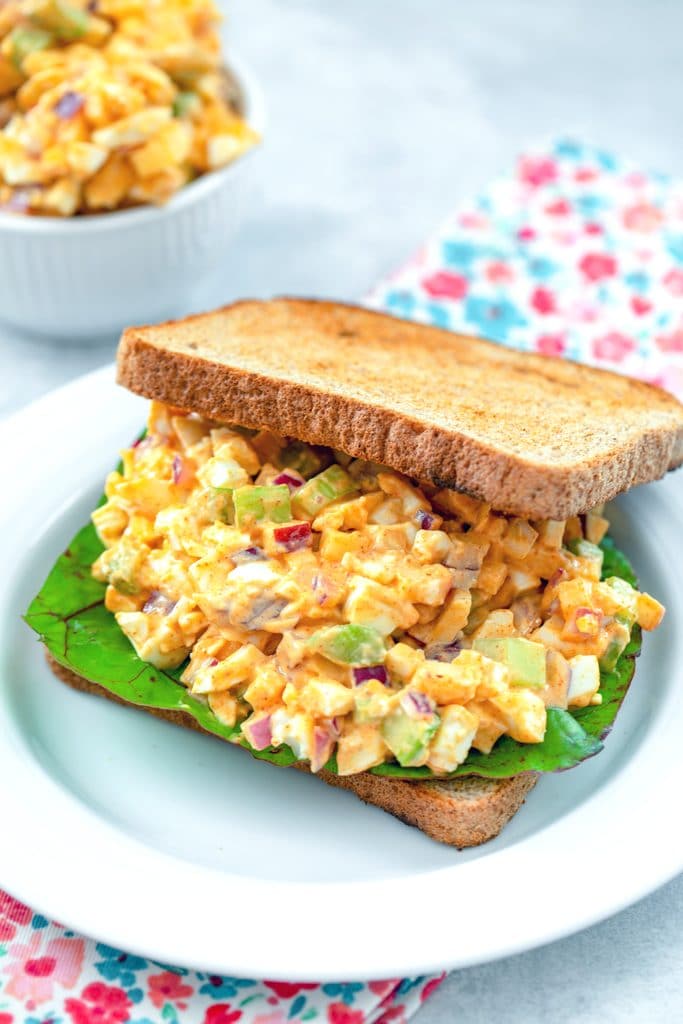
{"points": [[369, 549]]}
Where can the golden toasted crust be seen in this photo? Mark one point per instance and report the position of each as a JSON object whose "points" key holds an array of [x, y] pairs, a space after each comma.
{"points": [[462, 812], [532, 435]]}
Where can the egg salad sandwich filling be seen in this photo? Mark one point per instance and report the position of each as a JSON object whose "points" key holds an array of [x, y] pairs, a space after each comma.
{"points": [[335, 606], [341, 568]]}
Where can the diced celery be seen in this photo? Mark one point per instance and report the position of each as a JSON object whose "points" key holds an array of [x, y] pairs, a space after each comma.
{"points": [[64, 19], [185, 103], [259, 504], [584, 549], [408, 738], [302, 458], [627, 597], [524, 658], [620, 634], [349, 645], [320, 491], [219, 504], [25, 40]]}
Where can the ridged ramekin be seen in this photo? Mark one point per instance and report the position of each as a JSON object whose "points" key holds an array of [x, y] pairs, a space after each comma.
{"points": [[88, 277]]}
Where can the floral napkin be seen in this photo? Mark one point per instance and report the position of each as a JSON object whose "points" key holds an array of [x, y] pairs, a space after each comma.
{"points": [[575, 254]]}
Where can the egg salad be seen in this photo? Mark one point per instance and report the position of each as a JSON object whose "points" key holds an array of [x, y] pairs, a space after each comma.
{"points": [[333, 605], [111, 103]]}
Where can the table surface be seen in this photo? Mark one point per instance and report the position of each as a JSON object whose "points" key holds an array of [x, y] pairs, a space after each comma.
{"points": [[382, 117]]}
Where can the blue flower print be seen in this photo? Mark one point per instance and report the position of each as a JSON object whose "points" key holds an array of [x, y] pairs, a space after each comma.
{"points": [[674, 245], [118, 966], [541, 268], [437, 315], [461, 254], [570, 149], [400, 303], [590, 206], [346, 991], [224, 988], [492, 317], [638, 280]]}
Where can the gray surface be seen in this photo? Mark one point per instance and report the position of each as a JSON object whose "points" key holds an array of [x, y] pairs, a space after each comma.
{"points": [[382, 116]]}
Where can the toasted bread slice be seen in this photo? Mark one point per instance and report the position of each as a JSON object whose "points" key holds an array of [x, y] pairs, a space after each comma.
{"points": [[460, 812], [532, 435]]}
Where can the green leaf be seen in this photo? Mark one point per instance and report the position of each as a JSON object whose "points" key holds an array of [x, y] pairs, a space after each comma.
{"points": [[70, 618]]}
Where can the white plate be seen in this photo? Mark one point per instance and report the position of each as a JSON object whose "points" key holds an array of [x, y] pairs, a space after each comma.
{"points": [[184, 849]]}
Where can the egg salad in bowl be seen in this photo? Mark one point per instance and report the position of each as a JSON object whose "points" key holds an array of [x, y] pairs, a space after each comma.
{"points": [[112, 104], [335, 607]]}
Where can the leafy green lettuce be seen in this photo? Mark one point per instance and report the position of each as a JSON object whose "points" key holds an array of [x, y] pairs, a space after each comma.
{"points": [[70, 618]]}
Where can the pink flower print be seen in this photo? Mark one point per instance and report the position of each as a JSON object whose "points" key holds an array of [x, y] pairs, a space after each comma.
{"points": [[613, 346], [550, 344], [6, 1018], [526, 234], [596, 266], [642, 217], [278, 1017], [445, 285], [670, 342], [472, 220], [543, 301], [288, 989], [585, 174], [99, 1004], [35, 967], [168, 988], [383, 988], [340, 1013], [592, 228], [640, 306], [431, 987], [537, 171], [560, 208], [394, 1015], [635, 179], [221, 1013], [673, 281], [499, 272], [12, 913]]}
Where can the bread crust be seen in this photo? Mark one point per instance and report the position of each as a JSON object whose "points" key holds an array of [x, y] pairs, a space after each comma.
{"points": [[530, 434], [459, 812]]}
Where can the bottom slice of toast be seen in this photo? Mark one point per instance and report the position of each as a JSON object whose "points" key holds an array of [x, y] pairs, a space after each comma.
{"points": [[460, 812]]}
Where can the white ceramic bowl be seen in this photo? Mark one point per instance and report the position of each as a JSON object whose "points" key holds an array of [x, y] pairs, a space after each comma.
{"points": [[86, 278]]}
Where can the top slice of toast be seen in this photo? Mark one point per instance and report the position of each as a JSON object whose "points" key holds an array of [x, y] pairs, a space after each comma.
{"points": [[531, 435]]}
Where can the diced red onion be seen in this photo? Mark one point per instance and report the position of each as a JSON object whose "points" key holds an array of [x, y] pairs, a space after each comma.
{"points": [[259, 732], [592, 616], [213, 662], [558, 575], [247, 555], [320, 588], [424, 519], [142, 444], [262, 611], [335, 727], [417, 704], [19, 201], [159, 603], [362, 675], [293, 537], [443, 652], [323, 745], [69, 105], [182, 472], [291, 478]]}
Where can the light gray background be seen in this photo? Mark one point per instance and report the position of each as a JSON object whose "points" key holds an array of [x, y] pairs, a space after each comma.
{"points": [[382, 115]]}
